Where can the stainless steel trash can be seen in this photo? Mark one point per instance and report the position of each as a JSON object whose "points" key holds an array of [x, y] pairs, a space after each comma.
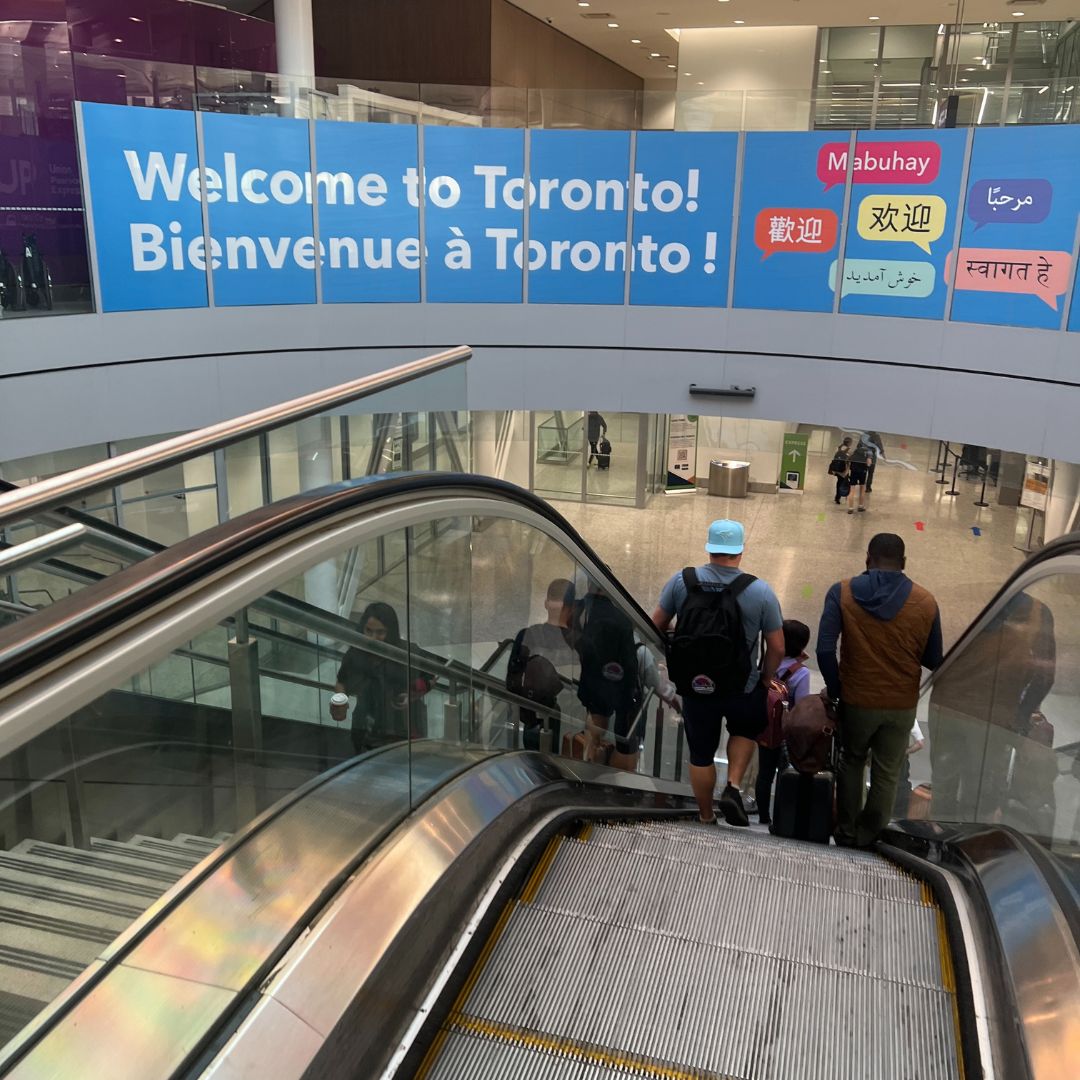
{"points": [[730, 479]]}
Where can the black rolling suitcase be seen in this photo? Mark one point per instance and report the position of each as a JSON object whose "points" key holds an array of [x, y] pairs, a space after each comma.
{"points": [[803, 806], [603, 457]]}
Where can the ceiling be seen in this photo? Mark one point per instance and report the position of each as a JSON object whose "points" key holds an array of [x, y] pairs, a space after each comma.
{"points": [[648, 20]]}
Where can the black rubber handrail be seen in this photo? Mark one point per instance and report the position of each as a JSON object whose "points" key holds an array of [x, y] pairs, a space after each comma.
{"points": [[78, 618]]}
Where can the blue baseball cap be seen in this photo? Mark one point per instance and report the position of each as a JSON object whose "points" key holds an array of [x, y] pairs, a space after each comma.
{"points": [[725, 538]]}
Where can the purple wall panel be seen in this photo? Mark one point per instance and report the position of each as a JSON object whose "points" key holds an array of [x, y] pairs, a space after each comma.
{"points": [[118, 51]]}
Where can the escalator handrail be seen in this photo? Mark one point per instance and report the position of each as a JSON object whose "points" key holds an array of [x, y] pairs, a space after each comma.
{"points": [[77, 619], [63, 488], [1069, 544]]}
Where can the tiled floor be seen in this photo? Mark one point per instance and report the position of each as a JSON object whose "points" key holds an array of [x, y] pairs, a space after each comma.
{"points": [[801, 544]]}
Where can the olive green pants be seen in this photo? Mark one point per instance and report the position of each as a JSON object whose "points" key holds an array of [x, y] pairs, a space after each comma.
{"points": [[882, 734]]}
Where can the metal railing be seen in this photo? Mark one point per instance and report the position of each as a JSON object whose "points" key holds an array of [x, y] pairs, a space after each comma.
{"points": [[63, 488]]}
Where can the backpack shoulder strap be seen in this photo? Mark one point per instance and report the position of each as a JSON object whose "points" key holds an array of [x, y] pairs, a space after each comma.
{"points": [[690, 579], [742, 582]]}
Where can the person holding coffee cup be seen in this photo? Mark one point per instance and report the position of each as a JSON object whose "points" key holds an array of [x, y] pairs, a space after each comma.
{"points": [[388, 708]]}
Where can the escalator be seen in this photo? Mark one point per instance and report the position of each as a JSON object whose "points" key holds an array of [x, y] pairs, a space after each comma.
{"points": [[202, 873]]}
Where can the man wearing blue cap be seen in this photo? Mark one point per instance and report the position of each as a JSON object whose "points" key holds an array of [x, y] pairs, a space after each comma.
{"points": [[720, 613]]}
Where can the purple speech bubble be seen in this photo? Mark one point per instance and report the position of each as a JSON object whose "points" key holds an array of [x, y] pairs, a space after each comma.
{"points": [[1009, 202]]}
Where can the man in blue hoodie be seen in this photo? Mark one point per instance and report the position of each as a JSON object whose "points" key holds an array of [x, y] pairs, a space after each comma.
{"points": [[888, 629]]}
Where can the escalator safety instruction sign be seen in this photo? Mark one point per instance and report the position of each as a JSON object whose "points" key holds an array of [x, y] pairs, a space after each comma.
{"points": [[189, 209]]}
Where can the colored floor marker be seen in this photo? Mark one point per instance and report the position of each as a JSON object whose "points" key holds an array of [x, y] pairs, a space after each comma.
{"points": [[976, 531], [903, 446], [807, 592], [920, 526], [821, 517]]}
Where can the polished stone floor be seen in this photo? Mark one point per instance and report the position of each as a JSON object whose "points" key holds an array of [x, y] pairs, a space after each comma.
{"points": [[801, 544]]}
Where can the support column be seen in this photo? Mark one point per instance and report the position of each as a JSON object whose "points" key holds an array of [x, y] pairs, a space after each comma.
{"points": [[1064, 502], [314, 447], [294, 38]]}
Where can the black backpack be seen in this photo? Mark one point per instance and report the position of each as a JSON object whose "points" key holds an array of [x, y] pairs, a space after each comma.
{"points": [[604, 640], [708, 655]]}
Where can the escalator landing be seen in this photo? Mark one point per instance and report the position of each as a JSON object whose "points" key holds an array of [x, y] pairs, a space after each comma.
{"points": [[683, 951]]}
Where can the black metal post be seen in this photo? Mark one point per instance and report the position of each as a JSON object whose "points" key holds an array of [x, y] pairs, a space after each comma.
{"points": [[944, 465], [982, 494], [955, 467]]}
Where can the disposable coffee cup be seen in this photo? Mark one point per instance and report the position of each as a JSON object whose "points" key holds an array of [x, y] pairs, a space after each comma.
{"points": [[339, 706]]}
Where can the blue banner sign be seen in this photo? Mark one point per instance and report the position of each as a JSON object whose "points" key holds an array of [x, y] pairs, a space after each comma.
{"points": [[683, 191], [141, 166], [789, 221], [187, 210]]}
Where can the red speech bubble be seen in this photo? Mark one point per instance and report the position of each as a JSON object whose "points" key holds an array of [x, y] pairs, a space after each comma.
{"points": [[784, 228], [905, 162], [1044, 274]]}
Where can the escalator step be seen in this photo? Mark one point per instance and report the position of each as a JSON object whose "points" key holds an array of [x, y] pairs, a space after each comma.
{"points": [[182, 863], [102, 910], [727, 1011], [197, 843], [131, 867], [483, 1056], [49, 872], [845, 930], [767, 856], [16, 1011], [168, 847]]}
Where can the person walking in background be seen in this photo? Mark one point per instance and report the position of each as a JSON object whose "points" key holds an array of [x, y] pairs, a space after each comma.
{"points": [[720, 613], [595, 427], [877, 449], [795, 675], [838, 467], [888, 629], [858, 473]]}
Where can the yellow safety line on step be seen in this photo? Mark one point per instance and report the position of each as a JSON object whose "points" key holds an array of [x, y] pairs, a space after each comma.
{"points": [[463, 995], [596, 1055], [586, 831], [532, 886], [948, 978]]}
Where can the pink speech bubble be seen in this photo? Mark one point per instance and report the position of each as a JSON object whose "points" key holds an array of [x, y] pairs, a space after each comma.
{"points": [[1044, 274], [907, 162]]}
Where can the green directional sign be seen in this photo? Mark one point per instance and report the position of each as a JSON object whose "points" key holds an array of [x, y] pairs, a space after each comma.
{"points": [[793, 461]]}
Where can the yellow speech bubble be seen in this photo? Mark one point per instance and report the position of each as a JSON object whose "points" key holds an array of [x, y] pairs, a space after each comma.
{"points": [[914, 219]]}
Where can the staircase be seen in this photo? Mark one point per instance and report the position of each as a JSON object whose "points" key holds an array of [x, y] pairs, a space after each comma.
{"points": [[60, 907]]}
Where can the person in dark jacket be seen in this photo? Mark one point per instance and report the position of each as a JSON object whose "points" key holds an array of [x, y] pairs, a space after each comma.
{"points": [[595, 427], [877, 445], [389, 705], [888, 629]]}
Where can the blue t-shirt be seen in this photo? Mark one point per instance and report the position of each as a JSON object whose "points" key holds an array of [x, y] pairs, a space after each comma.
{"points": [[757, 602]]}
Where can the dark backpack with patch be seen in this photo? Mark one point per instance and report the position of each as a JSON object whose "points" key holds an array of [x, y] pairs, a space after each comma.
{"points": [[604, 640], [708, 655]]}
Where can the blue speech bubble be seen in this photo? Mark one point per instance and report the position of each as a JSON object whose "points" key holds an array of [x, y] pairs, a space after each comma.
{"points": [[1009, 202], [885, 277]]}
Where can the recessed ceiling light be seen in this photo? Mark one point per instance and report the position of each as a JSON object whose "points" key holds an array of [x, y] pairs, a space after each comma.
{"points": [[635, 41], [978, 58], [132, 18], [722, 2], [1044, 89], [827, 71], [740, 22], [581, 3], [1069, 89], [689, 73], [613, 26], [671, 65], [118, 40], [875, 18], [969, 69], [654, 55], [1017, 14]]}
